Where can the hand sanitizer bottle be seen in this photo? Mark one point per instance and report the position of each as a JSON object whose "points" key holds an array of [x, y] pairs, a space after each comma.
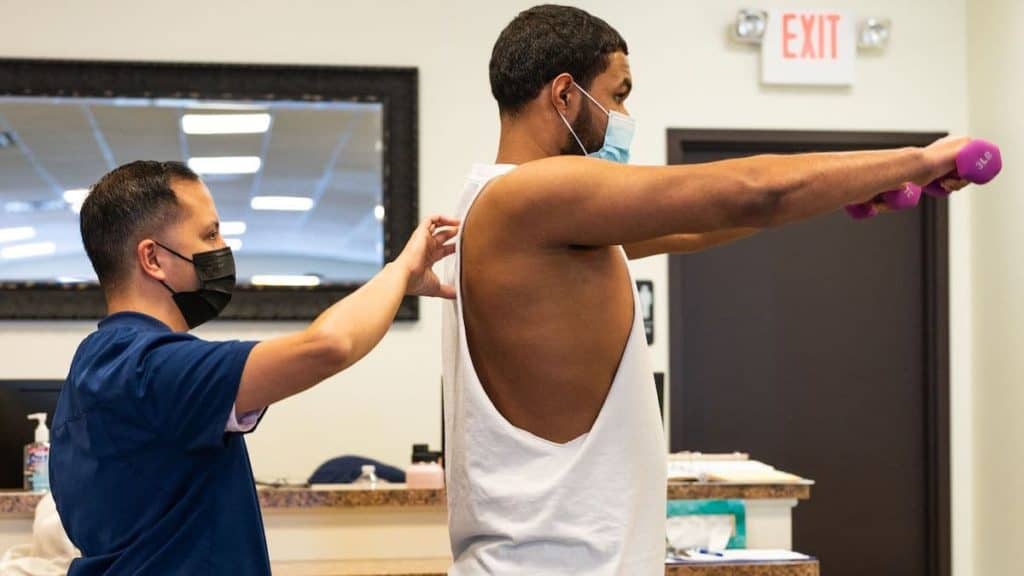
{"points": [[37, 456]]}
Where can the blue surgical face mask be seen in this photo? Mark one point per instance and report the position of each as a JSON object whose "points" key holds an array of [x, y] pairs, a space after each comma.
{"points": [[618, 136]]}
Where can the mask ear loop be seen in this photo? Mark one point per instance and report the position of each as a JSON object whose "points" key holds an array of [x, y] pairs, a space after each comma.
{"points": [[573, 132], [596, 103], [166, 285], [169, 289], [189, 260]]}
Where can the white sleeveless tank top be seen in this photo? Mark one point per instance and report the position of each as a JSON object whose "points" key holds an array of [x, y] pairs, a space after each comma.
{"points": [[521, 505]]}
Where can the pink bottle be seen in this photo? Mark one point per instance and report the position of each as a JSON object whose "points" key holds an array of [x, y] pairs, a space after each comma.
{"points": [[424, 476], [425, 473]]}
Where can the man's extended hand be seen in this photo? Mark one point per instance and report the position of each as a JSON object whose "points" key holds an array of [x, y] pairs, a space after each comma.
{"points": [[940, 158]]}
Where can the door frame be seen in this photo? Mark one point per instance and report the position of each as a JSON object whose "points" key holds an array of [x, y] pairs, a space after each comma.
{"points": [[935, 302]]}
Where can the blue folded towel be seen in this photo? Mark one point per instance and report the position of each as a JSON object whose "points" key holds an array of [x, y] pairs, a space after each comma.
{"points": [[346, 469]]}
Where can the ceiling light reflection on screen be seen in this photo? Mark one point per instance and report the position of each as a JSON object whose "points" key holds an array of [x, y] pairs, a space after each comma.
{"points": [[17, 234], [75, 197], [282, 203], [225, 164], [197, 124], [32, 250], [232, 228], [284, 280]]}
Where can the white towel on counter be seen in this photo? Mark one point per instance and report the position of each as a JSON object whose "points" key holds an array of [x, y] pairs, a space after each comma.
{"points": [[49, 554]]}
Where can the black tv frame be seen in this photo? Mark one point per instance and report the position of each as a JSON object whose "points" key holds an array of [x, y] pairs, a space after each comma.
{"points": [[396, 88]]}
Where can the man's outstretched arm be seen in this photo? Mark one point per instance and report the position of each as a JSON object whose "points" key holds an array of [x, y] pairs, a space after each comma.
{"points": [[574, 201]]}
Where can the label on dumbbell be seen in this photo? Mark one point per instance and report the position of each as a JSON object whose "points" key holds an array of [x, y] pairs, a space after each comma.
{"points": [[980, 164]]}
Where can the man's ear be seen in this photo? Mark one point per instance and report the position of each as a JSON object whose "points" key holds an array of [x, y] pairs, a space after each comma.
{"points": [[563, 95], [149, 261]]}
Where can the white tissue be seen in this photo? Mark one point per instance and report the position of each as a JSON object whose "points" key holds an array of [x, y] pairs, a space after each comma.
{"points": [[710, 531]]}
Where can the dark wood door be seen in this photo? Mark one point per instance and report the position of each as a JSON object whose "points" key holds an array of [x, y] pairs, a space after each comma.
{"points": [[821, 348]]}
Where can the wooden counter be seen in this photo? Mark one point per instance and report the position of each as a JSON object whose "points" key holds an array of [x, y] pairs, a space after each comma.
{"points": [[397, 495], [439, 567]]}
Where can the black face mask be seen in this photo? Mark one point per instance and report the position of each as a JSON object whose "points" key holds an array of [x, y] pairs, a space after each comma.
{"points": [[216, 272]]}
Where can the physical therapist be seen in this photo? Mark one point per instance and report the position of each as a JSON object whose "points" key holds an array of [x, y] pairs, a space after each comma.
{"points": [[148, 465]]}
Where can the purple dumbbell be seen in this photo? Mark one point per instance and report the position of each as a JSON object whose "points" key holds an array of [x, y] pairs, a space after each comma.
{"points": [[862, 211], [978, 162], [900, 199]]}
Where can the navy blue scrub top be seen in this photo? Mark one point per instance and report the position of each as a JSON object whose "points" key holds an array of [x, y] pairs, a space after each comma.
{"points": [[145, 478]]}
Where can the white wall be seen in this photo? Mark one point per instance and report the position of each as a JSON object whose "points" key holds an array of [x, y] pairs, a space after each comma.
{"points": [[996, 60], [687, 75]]}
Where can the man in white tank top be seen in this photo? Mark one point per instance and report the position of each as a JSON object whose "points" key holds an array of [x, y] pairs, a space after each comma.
{"points": [[556, 458]]}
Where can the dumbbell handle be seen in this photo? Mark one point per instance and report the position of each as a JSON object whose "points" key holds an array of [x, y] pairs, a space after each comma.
{"points": [[903, 198], [978, 163]]}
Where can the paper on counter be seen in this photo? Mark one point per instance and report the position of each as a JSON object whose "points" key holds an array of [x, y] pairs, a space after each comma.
{"points": [[752, 555], [764, 554]]}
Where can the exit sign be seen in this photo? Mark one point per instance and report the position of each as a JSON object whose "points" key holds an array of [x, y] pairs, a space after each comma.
{"points": [[808, 47]]}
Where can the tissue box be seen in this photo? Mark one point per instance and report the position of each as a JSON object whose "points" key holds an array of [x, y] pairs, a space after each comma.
{"points": [[711, 524]]}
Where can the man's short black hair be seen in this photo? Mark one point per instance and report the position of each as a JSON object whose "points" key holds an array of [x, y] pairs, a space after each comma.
{"points": [[127, 205], [543, 42]]}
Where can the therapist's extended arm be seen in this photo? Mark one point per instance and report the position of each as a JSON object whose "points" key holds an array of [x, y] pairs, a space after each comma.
{"points": [[348, 330]]}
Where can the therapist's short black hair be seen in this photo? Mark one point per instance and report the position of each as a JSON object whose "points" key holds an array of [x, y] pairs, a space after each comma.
{"points": [[127, 205], [543, 42]]}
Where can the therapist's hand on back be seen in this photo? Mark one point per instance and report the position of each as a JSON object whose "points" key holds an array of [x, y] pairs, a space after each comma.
{"points": [[348, 330], [429, 244]]}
